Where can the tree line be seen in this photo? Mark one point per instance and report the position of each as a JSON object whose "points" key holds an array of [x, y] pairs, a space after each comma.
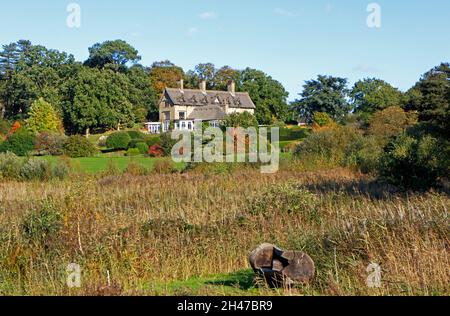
{"points": [[111, 89]]}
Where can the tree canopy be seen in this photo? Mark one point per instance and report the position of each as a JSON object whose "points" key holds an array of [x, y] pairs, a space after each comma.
{"points": [[269, 95], [430, 97], [326, 94], [165, 74], [43, 118], [372, 95], [116, 54], [111, 89]]}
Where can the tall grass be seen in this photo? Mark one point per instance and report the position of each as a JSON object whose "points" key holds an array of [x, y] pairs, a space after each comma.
{"points": [[155, 234]]}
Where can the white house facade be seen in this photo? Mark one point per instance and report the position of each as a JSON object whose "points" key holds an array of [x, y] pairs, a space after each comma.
{"points": [[181, 109]]}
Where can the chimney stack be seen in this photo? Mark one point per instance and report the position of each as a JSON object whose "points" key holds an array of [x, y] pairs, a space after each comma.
{"points": [[203, 86], [181, 84], [232, 87]]}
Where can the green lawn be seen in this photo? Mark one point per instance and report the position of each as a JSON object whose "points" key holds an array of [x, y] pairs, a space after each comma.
{"points": [[99, 164]]}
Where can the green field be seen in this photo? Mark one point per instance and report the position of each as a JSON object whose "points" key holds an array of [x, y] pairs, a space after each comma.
{"points": [[100, 164]]}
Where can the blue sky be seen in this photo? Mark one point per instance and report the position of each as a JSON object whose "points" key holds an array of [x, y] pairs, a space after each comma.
{"points": [[292, 40]]}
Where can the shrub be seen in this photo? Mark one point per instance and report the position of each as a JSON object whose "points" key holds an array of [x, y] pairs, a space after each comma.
{"points": [[133, 152], [49, 144], [167, 143], [142, 147], [133, 143], [78, 146], [136, 135], [365, 155], [135, 169], [164, 166], [389, 123], [15, 127], [339, 146], [44, 225], [415, 162], [118, 141], [150, 141], [19, 143], [244, 120], [61, 169], [329, 145], [35, 169], [322, 119], [112, 169], [10, 166], [4, 127], [155, 151]]}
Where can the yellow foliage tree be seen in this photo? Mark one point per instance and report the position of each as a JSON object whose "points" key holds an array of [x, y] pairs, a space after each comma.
{"points": [[43, 118]]}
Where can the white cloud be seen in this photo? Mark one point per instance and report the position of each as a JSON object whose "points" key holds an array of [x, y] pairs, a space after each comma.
{"points": [[328, 8], [192, 30], [209, 15]]}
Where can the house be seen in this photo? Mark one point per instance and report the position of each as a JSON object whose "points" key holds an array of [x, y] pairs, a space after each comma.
{"points": [[181, 109]]}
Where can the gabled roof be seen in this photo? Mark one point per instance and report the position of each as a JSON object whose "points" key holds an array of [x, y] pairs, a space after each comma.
{"points": [[190, 97], [208, 113]]}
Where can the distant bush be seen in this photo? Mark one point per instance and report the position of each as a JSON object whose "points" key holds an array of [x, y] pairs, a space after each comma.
{"points": [[133, 152], [142, 147], [322, 119], [4, 127], [43, 226], [20, 143], [118, 141], [61, 169], [244, 120], [339, 146], [328, 145], [167, 143], [13, 167], [390, 122], [365, 155], [415, 162], [164, 166], [15, 127], [133, 143], [79, 146], [50, 144], [10, 166], [135, 169], [292, 133], [150, 141], [156, 151], [136, 135], [35, 169]]}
